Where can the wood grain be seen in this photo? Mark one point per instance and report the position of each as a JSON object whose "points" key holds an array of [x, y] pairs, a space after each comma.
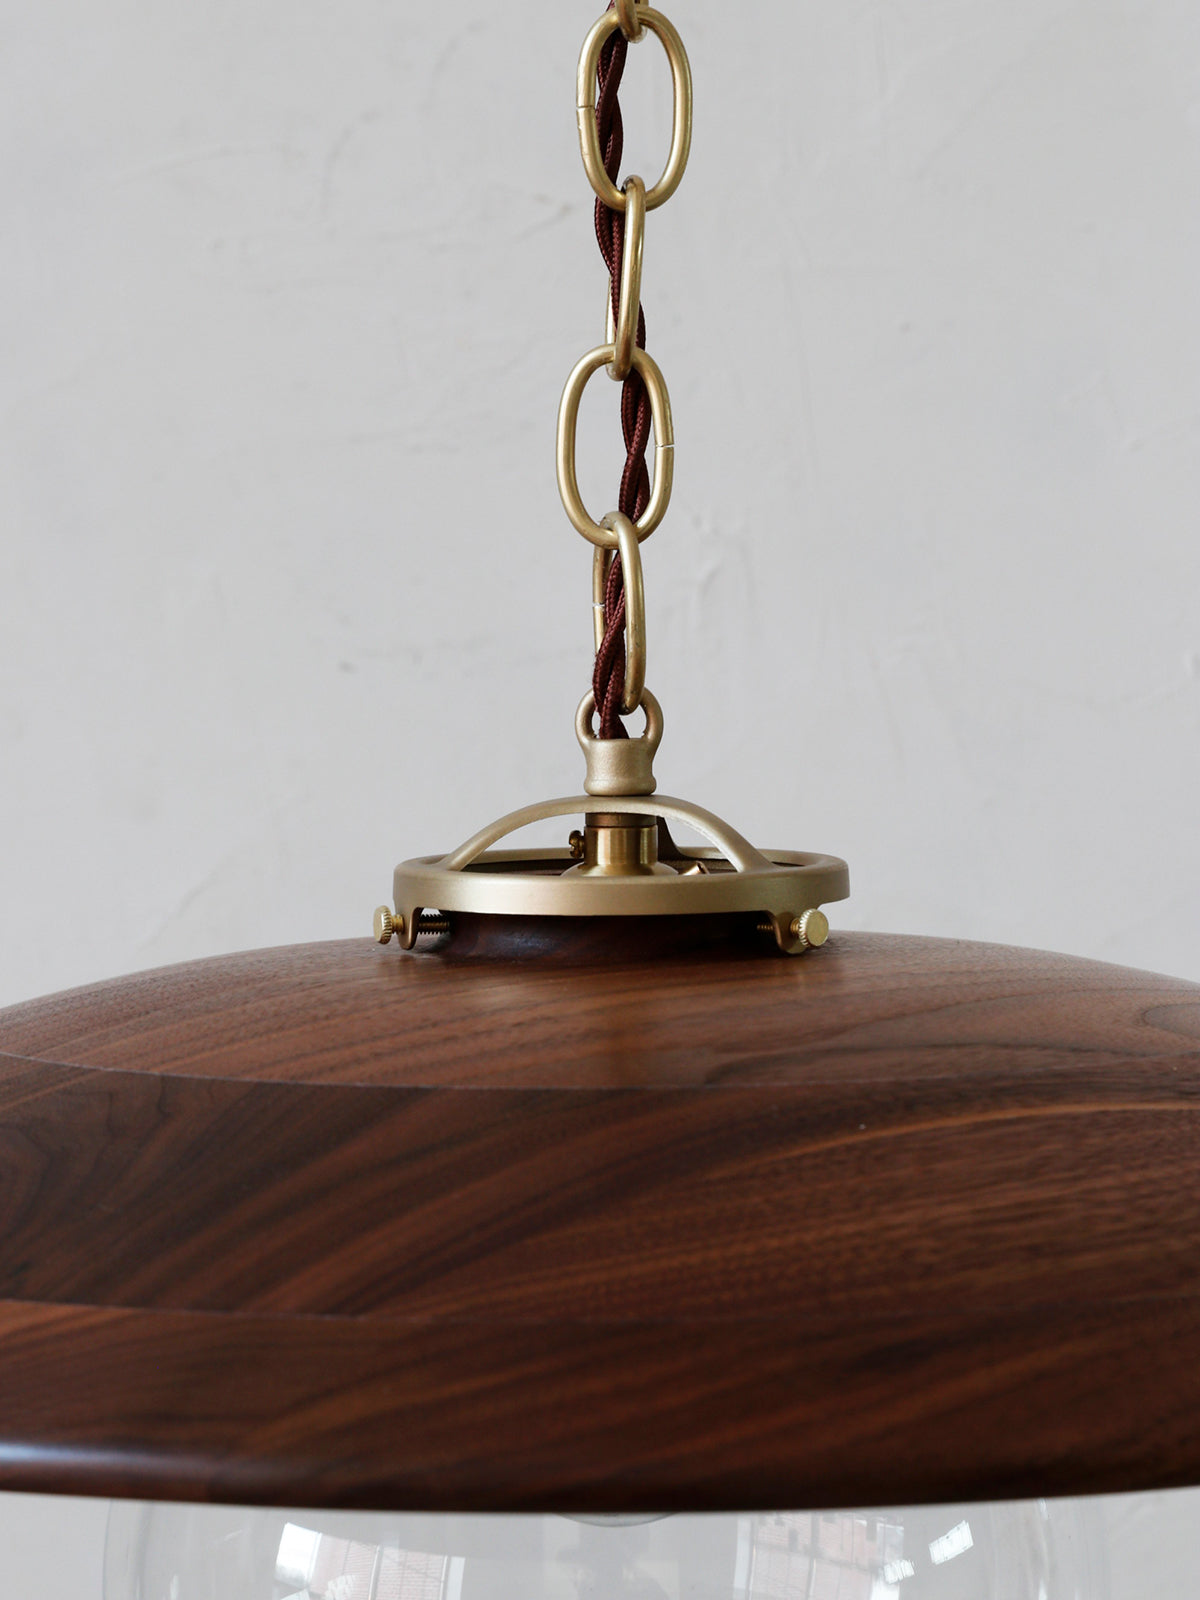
{"points": [[908, 1219]]}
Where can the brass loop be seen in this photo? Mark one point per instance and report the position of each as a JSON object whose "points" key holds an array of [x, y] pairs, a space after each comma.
{"points": [[681, 117], [623, 335], [619, 766], [627, 15], [635, 604], [664, 445]]}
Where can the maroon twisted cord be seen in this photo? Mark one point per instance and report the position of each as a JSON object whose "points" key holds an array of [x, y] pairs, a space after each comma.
{"points": [[608, 676]]}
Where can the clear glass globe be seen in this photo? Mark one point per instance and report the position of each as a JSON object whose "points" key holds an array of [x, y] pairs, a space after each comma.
{"points": [[1034, 1550]]}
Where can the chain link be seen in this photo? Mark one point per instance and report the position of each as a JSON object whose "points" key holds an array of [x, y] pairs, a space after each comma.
{"points": [[621, 328], [681, 118], [646, 369], [627, 16], [632, 606], [618, 685]]}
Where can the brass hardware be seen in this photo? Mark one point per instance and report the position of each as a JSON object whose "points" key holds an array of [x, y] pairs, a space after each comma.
{"points": [[681, 119], [810, 930], [620, 352], [624, 862], [620, 846], [780, 886], [623, 334], [619, 766], [386, 925], [795, 935], [600, 560], [664, 444], [635, 605], [627, 16]]}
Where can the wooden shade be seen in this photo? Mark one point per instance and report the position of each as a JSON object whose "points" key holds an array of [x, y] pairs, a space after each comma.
{"points": [[907, 1219]]}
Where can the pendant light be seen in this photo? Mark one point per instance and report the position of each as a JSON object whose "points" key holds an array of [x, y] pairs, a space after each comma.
{"points": [[621, 1193]]}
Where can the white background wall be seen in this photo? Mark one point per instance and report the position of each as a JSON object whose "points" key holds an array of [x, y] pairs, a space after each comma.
{"points": [[288, 294]]}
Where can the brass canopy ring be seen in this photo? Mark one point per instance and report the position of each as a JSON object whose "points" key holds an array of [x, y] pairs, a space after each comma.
{"points": [[664, 445], [681, 119]]}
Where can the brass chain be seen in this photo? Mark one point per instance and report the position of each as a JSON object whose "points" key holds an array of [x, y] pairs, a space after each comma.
{"points": [[617, 593]]}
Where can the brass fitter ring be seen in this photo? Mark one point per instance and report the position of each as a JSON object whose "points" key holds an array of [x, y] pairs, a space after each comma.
{"points": [[681, 117], [664, 445], [635, 604]]}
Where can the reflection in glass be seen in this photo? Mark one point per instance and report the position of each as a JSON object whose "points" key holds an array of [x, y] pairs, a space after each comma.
{"points": [[1038, 1550]]}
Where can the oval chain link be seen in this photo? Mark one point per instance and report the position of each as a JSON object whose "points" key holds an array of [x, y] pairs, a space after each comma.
{"points": [[664, 445], [681, 116]]}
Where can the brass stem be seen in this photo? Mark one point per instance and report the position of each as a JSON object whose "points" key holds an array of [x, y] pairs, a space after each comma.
{"points": [[620, 845]]}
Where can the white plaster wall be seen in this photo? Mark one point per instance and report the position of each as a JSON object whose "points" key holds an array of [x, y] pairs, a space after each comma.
{"points": [[287, 295]]}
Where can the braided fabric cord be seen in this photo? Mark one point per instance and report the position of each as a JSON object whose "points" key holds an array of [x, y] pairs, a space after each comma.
{"points": [[608, 677]]}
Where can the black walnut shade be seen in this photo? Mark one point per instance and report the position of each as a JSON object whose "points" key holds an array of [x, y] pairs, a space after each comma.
{"points": [[907, 1218]]}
